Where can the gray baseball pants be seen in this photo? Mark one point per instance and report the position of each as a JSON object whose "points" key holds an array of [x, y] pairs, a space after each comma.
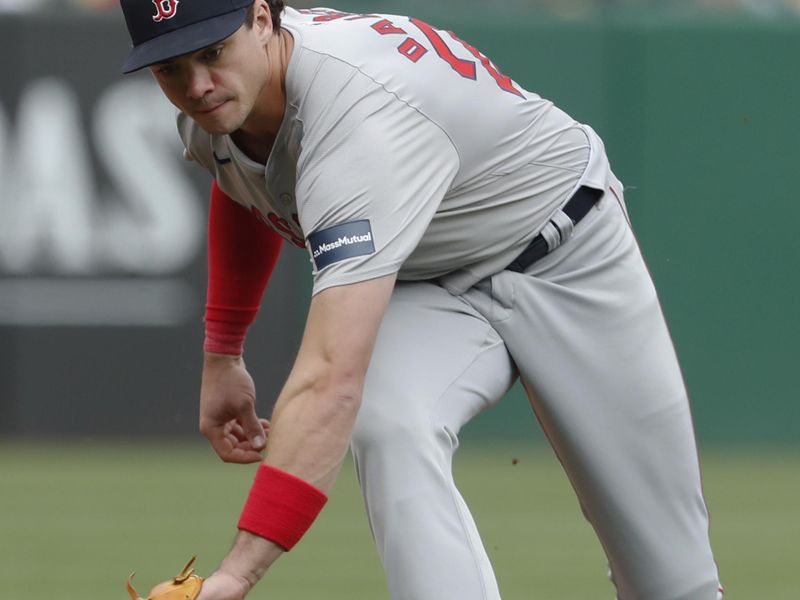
{"points": [[584, 331]]}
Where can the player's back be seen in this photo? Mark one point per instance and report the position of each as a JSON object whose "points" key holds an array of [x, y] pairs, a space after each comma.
{"points": [[512, 158], [494, 124]]}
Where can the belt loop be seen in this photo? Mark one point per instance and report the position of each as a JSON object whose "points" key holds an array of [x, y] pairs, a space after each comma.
{"points": [[564, 224], [559, 229], [551, 235]]}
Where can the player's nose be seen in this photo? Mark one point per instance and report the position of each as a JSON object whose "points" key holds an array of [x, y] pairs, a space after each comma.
{"points": [[198, 82]]}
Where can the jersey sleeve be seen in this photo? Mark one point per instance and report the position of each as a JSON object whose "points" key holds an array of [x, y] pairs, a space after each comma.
{"points": [[242, 252], [370, 178]]}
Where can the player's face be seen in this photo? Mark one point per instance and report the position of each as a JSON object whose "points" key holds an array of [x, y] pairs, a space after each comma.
{"points": [[219, 85]]}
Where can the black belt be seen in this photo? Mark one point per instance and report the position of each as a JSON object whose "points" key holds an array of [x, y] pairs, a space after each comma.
{"points": [[576, 208]]}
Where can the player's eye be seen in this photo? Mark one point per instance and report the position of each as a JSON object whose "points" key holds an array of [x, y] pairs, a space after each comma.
{"points": [[166, 69], [212, 54]]}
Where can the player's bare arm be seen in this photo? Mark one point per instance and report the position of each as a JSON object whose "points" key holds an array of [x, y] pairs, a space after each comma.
{"points": [[315, 412]]}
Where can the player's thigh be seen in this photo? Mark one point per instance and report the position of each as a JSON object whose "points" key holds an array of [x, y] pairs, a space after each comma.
{"points": [[585, 326], [587, 333], [436, 360]]}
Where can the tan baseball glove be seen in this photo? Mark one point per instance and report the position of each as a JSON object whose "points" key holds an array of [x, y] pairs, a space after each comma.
{"points": [[184, 586]]}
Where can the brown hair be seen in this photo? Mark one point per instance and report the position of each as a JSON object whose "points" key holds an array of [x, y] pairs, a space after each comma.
{"points": [[275, 8]]}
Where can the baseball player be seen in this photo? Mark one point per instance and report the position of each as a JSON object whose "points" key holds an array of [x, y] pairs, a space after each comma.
{"points": [[463, 232]]}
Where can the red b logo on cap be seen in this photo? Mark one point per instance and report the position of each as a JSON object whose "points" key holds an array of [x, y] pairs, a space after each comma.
{"points": [[166, 9]]}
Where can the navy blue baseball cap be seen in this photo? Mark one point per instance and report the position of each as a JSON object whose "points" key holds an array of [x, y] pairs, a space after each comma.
{"points": [[164, 29]]}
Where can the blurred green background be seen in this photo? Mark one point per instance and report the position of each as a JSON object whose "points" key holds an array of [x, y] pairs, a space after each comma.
{"points": [[697, 103]]}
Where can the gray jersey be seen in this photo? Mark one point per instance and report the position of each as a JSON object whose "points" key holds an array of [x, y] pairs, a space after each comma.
{"points": [[403, 150]]}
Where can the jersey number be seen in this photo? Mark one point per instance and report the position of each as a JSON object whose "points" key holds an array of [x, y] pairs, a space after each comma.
{"points": [[413, 50]]}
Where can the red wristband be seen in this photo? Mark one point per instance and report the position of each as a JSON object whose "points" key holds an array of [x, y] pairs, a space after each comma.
{"points": [[280, 507]]}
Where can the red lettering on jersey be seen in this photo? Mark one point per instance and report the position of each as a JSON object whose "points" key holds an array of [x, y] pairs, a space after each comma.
{"points": [[386, 27], [465, 68], [503, 81], [331, 16], [166, 9], [282, 225], [326, 14], [412, 49]]}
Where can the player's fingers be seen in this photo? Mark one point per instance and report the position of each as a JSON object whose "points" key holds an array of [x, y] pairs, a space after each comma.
{"points": [[253, 430], [235, 448], [237, 431], [242, 455], [230, 453], [228, 448], [232, 445], [241, 444], [222, 446]]}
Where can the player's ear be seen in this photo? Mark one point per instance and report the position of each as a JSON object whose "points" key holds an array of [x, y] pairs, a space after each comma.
{"points": [[262, 19]]}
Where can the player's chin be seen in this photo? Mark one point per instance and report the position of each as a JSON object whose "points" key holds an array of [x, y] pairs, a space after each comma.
{"points": [[220, 121], [217, 130], [215, 126]]}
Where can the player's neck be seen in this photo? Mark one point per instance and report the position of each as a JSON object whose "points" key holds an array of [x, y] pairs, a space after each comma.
{"points": [[261, 127]]}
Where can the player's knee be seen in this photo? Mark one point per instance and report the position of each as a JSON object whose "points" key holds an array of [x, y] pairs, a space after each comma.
{"points": [[383, 429]]}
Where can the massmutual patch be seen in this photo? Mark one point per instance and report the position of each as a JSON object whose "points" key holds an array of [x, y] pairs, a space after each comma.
{"points": [[340, 242]]}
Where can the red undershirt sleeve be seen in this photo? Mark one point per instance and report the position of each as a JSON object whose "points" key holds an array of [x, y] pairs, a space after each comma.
{"points": [[242, 252]]}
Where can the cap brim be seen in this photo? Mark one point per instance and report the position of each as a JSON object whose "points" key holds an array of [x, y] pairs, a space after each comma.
{"points": [[181, 41]]}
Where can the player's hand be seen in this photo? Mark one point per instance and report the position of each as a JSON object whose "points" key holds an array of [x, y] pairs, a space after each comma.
{"points": [[241, 569], [227, 410], [223, 586]]}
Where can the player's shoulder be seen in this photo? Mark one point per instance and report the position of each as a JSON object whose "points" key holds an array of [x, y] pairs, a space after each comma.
{"points": [[196, 141], [346, 36], [342, 60], [188, 128]]}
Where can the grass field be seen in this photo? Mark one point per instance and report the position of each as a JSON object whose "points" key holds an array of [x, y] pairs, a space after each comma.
{"points": [[76, 518]]}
